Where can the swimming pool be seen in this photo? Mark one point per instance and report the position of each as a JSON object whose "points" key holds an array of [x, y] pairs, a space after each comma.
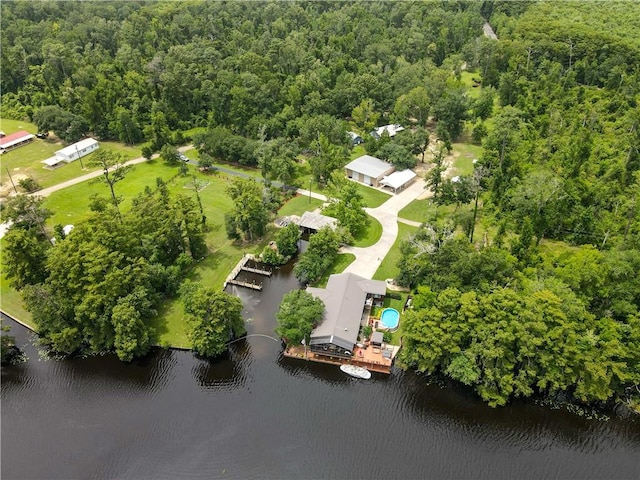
{"points": [[390, 318]]}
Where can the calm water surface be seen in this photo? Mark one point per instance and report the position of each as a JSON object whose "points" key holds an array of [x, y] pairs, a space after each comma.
{"points": [[255, 414]]}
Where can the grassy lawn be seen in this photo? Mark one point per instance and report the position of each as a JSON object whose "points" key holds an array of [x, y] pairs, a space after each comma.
{"points": [[298, 205], [463, 163], [372, 197], [9, 126], [370, 235], [71, 204], [357, 151], [416, 210], [342, 261], [11, 302], [389, 266], [466, 78]]}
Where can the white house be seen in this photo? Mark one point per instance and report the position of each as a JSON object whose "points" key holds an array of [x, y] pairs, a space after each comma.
{"points": [[368, 170], [77, 150], [392, 130]]}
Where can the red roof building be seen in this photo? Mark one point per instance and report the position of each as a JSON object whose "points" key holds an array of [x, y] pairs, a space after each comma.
{"points": [[15, 140]]}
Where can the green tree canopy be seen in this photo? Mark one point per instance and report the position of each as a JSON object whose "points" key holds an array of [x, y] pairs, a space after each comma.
{"points": [[213, 318], [299, 313]]}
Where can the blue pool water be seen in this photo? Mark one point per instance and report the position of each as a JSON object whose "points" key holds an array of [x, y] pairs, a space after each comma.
{"points": [[390, 318]]}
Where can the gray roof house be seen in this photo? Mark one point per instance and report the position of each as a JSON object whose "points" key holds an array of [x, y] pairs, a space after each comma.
{"points": [[311, 222], [368, 170], [355, 138], [345, 297]]}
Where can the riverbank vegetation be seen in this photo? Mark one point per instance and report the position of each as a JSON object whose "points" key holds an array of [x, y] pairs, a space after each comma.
{"points": [[546, 301]]}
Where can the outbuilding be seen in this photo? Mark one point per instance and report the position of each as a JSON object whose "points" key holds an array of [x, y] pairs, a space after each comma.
{"points": [[391, 130], [311, 222], [398, 180], [368, 170], [355, 138], [15, 140]]}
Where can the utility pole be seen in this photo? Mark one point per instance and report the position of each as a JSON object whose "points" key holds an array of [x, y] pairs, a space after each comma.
{"points": [[79, 158], [310, 191], [14, 185]]}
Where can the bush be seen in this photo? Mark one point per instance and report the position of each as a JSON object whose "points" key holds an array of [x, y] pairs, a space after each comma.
{"points": [[29, 184]]}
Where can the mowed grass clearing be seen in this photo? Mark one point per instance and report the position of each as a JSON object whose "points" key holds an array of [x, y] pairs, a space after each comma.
{"points": [[369, 235], [26, 161], [389, 266]]}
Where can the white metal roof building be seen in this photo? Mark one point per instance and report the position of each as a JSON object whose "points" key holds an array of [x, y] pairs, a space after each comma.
{"points": [[77, 150], [368, 170], [398, 180], [392, 130]]}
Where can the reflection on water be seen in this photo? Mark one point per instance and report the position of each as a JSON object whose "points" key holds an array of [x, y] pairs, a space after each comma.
{"points": [[256, 414]]}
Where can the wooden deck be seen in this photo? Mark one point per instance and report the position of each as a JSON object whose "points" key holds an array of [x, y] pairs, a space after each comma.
{"points": [[231, 278], [370, 358], [254, 286], [259, 271]]}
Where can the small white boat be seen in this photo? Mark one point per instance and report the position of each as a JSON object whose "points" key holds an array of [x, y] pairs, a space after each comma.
{"points": [[355, 371]]}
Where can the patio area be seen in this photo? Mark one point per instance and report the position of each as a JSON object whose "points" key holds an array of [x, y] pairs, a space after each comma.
{"points": [[375, 359]]}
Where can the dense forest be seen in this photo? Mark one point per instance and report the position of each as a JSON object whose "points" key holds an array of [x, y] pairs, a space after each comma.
{"points": [[548, 300]]}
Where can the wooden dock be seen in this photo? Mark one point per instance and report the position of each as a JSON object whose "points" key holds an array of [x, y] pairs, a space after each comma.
{"points": [[231, 278], [254, 286], [259, 271]]}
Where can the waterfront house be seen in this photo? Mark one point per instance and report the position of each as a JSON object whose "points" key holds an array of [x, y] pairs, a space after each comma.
{"points": [[348, 299]]}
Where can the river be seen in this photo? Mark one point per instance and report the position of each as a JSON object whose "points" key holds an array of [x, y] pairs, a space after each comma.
{"points": [[256, 414]]}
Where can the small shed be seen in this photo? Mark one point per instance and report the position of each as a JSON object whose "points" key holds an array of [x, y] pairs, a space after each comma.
{"points": [[311, 222], [377, 338], [368, 170], [355, 138], [77, 150], [398, 180]]}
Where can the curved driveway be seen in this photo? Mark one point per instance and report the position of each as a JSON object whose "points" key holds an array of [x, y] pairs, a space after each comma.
{"points": [[368, 259]]}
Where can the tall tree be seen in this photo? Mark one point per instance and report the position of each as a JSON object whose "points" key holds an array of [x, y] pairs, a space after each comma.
{"points": [[327, 157], [113, 171], [213, 319], [299, 313], [249, 216]]}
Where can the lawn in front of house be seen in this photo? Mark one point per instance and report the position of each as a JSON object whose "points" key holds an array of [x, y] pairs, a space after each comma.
{"points": [[298, 205], [370, 234], [389, 266]]}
